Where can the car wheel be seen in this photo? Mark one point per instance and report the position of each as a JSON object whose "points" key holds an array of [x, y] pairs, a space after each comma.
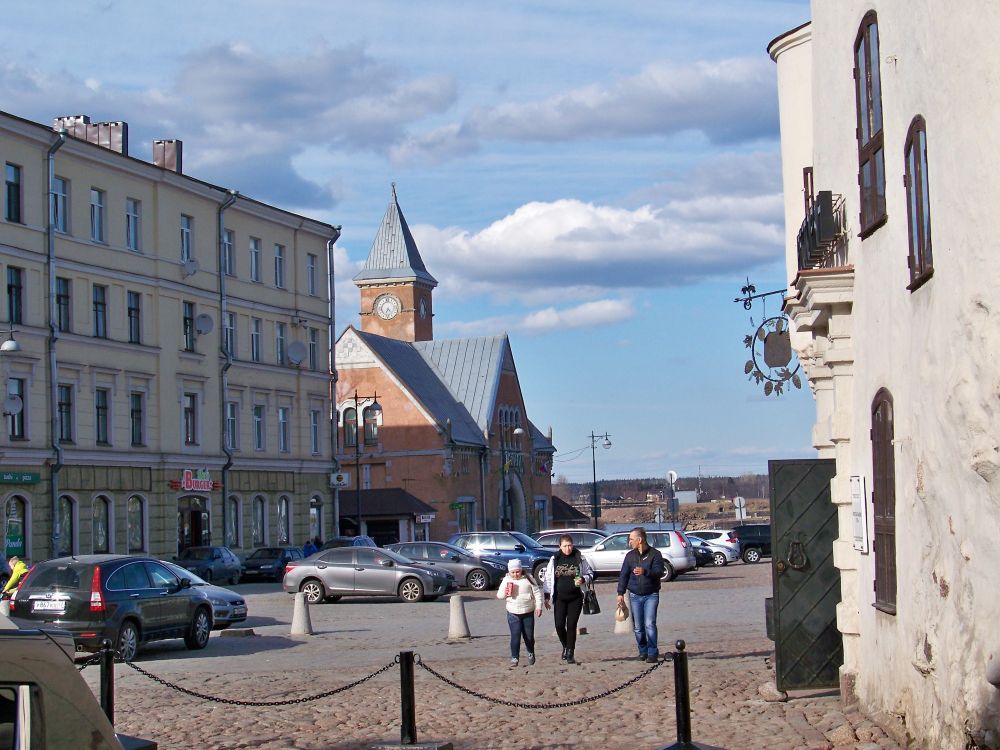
{"points": [[201, 628], [751, 555], [669, 573], [478, 580], [719, 558], [538, 571], [313, 590], [128, 641], [411, 590]]}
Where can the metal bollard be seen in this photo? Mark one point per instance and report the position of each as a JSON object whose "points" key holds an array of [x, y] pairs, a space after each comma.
{"points": [[407, 700], [108, 680], [682, 703]]}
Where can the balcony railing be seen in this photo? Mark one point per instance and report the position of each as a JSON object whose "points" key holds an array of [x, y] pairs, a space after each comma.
{"points": [[822, 240]]}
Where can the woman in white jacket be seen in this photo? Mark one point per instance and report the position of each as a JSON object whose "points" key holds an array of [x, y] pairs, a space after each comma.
{"points": [[524, 604]]}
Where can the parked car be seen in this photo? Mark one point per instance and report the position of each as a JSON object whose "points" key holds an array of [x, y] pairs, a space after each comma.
{"points": [[471, 571], [723, 540], [348, 541], [130, 600], [504, 546], [228, 607], [755, 541], [582, 538], [606, 557], [364, 571], [268, 563], [703, 552], [211, 563]]}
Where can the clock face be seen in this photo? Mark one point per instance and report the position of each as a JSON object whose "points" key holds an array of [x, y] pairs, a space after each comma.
{"points": [[387, 306]]}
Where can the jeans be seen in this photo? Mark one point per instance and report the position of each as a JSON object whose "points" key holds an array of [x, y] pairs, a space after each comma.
{"points": [[567, 614], [644, 622], [521, 626]]}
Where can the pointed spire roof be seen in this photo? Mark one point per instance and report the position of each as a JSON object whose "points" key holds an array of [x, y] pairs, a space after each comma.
{"points": [[394, 255]]}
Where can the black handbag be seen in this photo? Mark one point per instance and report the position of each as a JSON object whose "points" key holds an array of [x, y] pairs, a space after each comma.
{"points": [[590, 605]]}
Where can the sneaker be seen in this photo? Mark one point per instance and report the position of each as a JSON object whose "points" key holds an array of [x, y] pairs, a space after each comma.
{"points": [[641, 657], [531, 660], [652, 658], [513, 662]]}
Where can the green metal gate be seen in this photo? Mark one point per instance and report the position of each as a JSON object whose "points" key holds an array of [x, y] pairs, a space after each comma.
{"points": [[808, 647]]}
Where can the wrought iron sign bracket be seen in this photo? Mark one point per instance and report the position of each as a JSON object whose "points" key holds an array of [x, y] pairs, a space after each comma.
{"points": [[750, 294]]}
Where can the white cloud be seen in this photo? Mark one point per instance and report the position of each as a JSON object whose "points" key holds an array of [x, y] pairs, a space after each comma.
{"points": [[537, 322]]}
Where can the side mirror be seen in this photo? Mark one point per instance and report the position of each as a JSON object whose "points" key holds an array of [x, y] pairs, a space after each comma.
{"points": [[216, 556], [185, 583], [519, 547], [455, 558], [598, 547], [385, 563]]}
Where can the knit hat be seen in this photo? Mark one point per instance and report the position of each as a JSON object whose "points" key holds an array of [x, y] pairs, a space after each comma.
{"points": [[513, 565]]}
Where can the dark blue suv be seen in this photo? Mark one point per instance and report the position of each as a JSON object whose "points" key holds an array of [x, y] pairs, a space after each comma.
{"points": [[505, 545]]}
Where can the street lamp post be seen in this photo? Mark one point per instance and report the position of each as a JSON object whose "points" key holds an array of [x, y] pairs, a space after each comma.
{"points": [[595, 501], [375, 408], [507, 511]]}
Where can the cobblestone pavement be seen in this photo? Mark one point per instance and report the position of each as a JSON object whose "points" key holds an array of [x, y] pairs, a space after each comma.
{"points": [[729, 659]]}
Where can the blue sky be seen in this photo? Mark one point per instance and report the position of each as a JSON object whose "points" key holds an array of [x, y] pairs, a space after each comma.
{"points": [[596, 179]]}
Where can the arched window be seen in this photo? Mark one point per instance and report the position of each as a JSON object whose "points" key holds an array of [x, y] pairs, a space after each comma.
{"points": [[100, 529], [16, 529], [283, 522], [233, 522], [258, 521], [67, 527], [136, 519], [871, 154], [350, 427], [371, 426], [316, 517], [918, 209], [884, 501]]}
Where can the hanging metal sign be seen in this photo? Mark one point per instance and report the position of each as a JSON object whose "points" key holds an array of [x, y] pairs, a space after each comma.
{"points": [[772, 360]]}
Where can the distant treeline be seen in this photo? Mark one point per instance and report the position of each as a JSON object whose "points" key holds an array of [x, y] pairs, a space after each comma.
{"points": [[635, 490]]}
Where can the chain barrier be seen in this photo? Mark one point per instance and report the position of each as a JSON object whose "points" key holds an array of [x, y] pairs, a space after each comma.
{"points": [[90, 661], [539, 706], [234, 702]]}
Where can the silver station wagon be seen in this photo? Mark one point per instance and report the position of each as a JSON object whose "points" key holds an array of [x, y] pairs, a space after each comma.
{"points": [[364, 571]]}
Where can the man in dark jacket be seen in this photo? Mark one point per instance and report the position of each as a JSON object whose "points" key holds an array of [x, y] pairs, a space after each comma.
{"points": [[641, 572]]}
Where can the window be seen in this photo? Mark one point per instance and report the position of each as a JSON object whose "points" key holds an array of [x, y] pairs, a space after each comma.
{"points": [[279, 343], [232, 425], [67, 529], [350, 427], [228, 259], [314, 431], [134, 318], [918, 210], [311, 273], [64, 410], [12, 209], [257, 529], [279, 266], [187, 229], [15, 422], [884, 501], [871, 156], [133, 234], [371, 426], [136, 409], [233, 522], [60, 204], [100, 539], [229, 334], [15, 295], [101, 406], [283, 534], [97, 198], [256, 329], [136, 519], [64, 298], [254, 259], [259, 439], [17, 513], [187, 309], [284, 416], [313, 349], [190, 419], [100, 312]]}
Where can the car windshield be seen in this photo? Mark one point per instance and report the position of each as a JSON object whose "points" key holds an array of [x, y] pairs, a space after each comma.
{"points": [[524, 539], [182, 573], [266, 553], [197, 553]]}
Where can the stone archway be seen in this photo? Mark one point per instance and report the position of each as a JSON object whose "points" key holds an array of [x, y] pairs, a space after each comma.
{"points": [[512, 509]]}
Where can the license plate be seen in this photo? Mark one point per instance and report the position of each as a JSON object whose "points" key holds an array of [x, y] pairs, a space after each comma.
{"points": [[48, 606], [239, 611]]}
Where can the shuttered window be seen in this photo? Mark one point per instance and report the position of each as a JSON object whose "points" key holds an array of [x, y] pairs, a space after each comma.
{"points": [[884, 500]]}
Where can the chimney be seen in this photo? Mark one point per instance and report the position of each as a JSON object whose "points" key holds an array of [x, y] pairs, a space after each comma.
{"points": [[168, 154], [110, 135]]}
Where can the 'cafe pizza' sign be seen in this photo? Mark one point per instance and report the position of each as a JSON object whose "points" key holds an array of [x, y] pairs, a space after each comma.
{"points": [[195, 481]]}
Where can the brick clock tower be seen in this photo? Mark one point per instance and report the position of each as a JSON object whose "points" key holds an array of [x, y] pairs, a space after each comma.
{"points": [[395, 286]]}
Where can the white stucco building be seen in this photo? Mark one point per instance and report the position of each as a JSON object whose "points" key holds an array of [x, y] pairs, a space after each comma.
{"points": [[889, 164]]}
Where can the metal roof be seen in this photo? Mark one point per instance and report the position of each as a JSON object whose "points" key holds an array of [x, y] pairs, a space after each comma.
{"points": [[389, 501], [394, 255]]}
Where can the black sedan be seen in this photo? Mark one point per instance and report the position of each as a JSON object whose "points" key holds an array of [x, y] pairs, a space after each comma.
{"points": [[268, 563]]}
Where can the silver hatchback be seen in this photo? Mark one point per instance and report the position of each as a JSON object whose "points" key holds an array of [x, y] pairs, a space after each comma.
{"points": [[364, 571], [608, 555]]}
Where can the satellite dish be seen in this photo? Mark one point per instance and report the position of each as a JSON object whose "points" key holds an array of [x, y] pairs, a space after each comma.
{"points": [[296, 352], [191, 267], [12, 405], [204, 324]]}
